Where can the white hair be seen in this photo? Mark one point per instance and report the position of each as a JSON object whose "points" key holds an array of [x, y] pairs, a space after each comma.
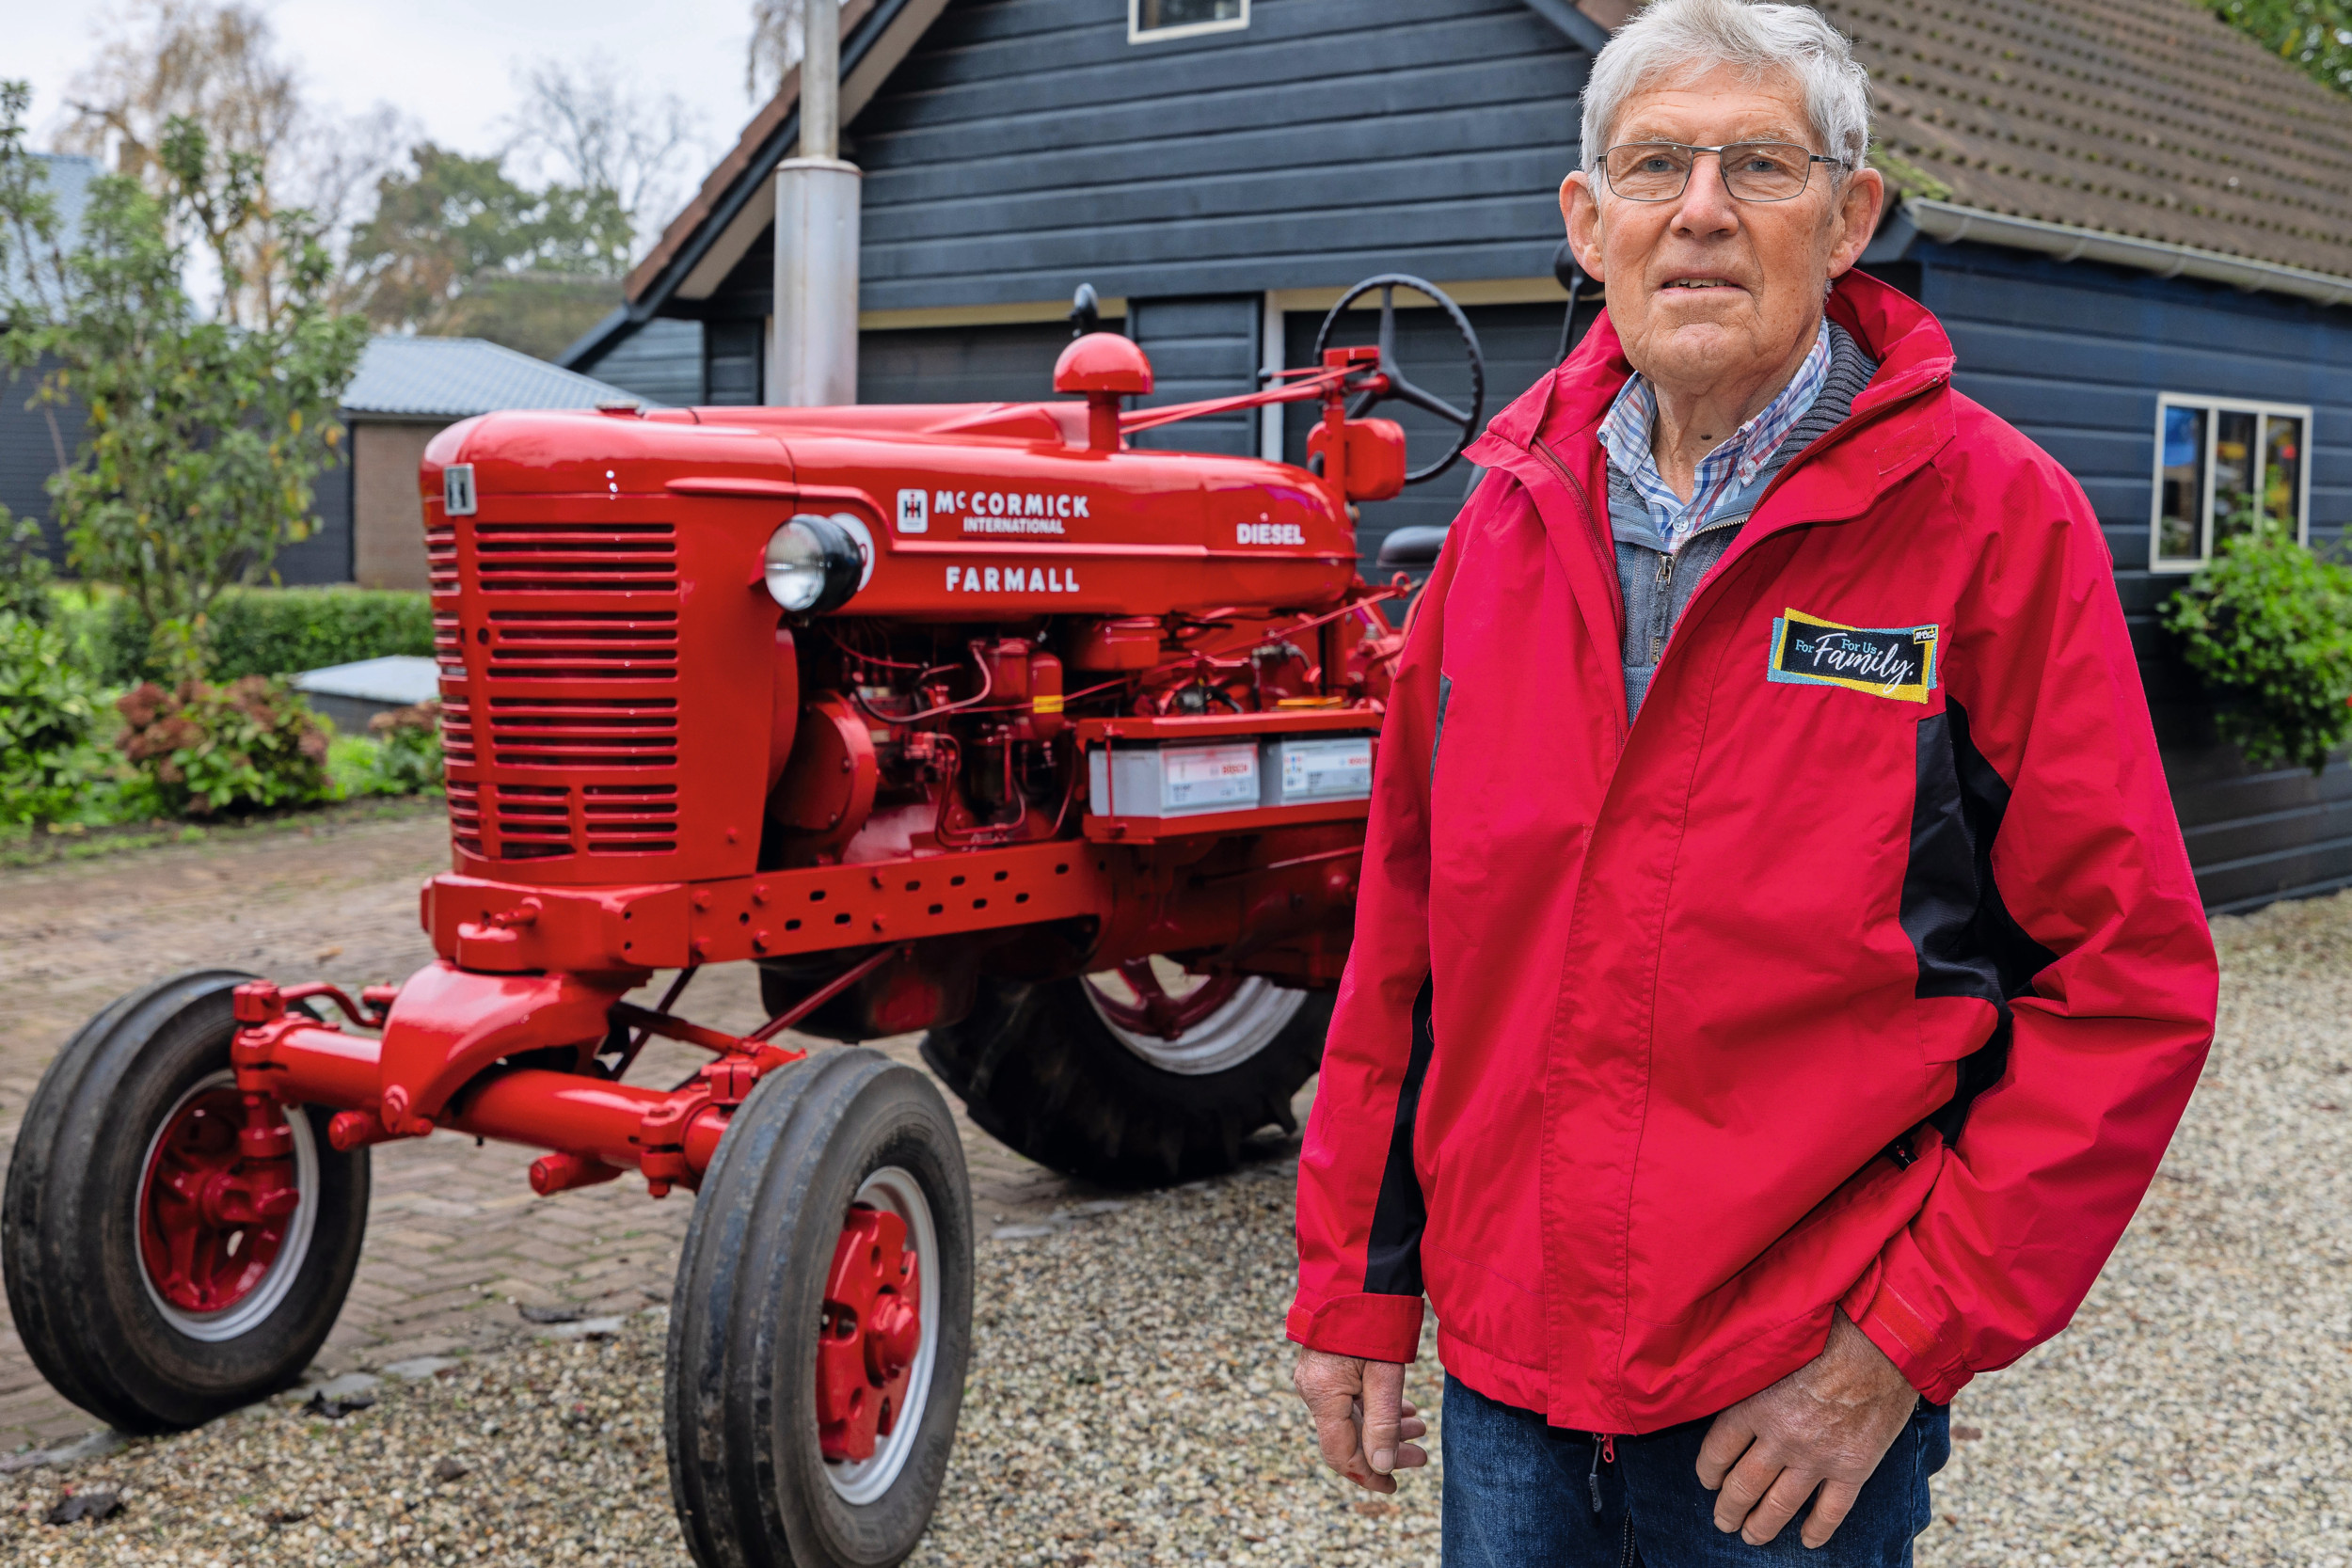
{"points": [[1675, 39]]}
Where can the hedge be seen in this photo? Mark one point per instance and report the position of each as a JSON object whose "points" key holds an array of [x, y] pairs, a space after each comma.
{"points": [[265, 631]]}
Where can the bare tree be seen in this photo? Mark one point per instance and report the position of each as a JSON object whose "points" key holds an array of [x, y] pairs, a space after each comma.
{"points": [[599, 137], [775, 46], [213, 65]]}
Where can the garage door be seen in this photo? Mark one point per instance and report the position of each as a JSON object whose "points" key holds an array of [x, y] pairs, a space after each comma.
{"points": [[1011, 363]]}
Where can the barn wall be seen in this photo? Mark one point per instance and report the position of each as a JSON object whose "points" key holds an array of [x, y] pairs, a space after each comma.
{"points": [[1200, 348], [325, 557], [661, 362], [1025, 147], [2074, 355], [28, 451], [1003, 363]]}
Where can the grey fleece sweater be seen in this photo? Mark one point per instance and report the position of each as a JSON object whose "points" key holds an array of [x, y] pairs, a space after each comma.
{"points": [[1658, 584]]}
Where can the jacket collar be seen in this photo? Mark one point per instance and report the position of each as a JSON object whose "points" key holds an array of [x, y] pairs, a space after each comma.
{"points": [[1567, 407]]}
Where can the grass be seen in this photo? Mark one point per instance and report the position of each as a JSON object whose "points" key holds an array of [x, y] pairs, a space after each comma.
{"points": [[57, 843]]}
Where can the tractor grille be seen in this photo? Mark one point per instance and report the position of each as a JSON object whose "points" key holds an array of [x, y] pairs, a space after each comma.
{"points": [[560, 649], [577, 557], [585, 644], [583, 732], [464, 814], [440, 559], [456, 729]]}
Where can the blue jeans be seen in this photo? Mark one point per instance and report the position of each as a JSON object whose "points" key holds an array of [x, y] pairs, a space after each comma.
{"points": [[1522, 1494]]}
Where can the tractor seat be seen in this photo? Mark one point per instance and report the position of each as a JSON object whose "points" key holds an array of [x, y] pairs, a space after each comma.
{"points": [[1414, 548]]}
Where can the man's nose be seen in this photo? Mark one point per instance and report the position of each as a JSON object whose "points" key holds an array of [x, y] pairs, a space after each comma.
{"points": [[1706, 206]]}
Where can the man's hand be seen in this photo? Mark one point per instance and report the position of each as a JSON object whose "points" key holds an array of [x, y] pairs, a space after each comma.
{"points": [[1361, 1418], [1825, 1425]]}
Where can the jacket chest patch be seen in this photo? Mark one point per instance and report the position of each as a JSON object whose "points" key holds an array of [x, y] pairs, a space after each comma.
{"points": [[1884, 661]]}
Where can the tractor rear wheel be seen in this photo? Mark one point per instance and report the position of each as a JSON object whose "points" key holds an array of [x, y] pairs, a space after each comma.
{"points": [[159, 1273], [822, 1321], [1134, 1077]]}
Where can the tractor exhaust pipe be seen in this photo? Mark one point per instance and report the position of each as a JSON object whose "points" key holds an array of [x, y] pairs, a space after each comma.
{"points": [[813, 361]]}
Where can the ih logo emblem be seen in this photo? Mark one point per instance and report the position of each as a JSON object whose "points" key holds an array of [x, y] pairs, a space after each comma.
{"points": [[1884, 661], [914, 512]]}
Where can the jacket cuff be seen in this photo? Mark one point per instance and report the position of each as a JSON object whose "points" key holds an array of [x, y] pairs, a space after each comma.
{"points": [[1923, 1350], [1376, 1327]]}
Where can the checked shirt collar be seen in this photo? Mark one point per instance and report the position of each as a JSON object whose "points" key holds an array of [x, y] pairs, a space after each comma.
{"points": [[1725, 472]]}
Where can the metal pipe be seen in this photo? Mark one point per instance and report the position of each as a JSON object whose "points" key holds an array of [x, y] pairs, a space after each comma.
{"points": [[820, 79], [314, 1065], [812, 358], [563, 1111]]}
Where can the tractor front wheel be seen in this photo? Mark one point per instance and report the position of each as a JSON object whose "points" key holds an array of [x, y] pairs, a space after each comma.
{"points": [[172, 1250], [822, 1321], [1135, 1077]]}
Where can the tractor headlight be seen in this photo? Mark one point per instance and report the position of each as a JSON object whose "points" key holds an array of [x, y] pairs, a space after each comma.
{"points": [[814, 564]]}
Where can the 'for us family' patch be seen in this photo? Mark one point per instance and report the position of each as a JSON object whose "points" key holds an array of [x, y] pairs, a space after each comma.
{"points": [[1885, 661]]}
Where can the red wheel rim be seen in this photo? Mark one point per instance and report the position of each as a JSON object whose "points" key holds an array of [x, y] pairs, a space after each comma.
{"points": [[217, 1200], [872, 1329], [1154, 1011]]}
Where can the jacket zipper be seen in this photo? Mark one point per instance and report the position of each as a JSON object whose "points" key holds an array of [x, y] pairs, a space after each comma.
{"points": [[1542, 449], [1604, 1450], [1601, 550]]}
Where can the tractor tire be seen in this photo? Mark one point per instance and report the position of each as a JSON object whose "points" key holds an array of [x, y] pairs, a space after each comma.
{"points": [[150, 1310], [1048, 1070], [836, 1201]]}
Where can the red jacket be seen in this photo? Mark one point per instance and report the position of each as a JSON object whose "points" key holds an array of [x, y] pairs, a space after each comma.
{"points": [[1656, 1037]]}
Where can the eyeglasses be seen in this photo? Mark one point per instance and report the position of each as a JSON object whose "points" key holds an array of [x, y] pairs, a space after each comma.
{"points": [[1753, 170]]}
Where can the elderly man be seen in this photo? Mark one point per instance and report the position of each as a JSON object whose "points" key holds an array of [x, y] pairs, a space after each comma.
{"points": [[1778, 972]]}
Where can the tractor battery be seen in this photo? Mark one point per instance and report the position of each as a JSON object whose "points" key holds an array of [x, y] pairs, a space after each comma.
{"points": [[1301, 769], [1173, 781]]}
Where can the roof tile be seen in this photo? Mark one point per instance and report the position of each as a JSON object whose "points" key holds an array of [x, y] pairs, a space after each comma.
{"points": [[2147, 118], [458, 377]]}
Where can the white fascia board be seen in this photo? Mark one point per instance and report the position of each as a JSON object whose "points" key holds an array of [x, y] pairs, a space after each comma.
{"points": [[1951, 223]]}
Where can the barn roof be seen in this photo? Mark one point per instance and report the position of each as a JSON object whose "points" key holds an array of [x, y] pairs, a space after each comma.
{"points": [[2150, 118], [455, 378]]}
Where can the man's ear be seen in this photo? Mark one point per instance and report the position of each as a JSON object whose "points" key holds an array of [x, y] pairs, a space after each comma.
{"points": [[1856, 219], [1579, 209]]}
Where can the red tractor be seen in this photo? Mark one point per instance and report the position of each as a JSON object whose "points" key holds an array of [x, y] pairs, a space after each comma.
{"points": [[972, 719]]}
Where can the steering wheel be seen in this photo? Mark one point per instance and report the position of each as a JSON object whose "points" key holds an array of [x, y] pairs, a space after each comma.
{"points": [[1400, 387]]}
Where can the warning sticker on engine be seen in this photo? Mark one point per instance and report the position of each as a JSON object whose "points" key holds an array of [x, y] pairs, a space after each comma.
{"points": [[1897, 663]]}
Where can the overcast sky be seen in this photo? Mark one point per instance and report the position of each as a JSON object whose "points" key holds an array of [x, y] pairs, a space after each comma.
{"points": [[447, 64]]}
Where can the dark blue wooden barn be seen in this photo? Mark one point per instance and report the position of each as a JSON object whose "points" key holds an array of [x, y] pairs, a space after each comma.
{"points": [[2133, 221]]}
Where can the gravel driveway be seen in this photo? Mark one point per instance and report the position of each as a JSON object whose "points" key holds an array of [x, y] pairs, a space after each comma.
{"points": [[1128, 1402]]}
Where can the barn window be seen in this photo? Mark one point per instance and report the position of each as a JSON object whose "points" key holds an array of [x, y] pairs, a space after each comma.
{"points": [[2221, 464], [1150, 21]]}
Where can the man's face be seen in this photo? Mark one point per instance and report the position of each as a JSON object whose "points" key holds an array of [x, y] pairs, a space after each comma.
{"points": [[1706, 290]]}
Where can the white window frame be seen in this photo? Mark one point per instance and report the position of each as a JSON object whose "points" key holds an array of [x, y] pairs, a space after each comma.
{"points": [[2214, 407], [1136, 33]]}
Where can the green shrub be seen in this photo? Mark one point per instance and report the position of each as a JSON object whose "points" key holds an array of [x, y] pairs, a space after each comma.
{"points": [[270, 631], [48, 710], [2268, 626], [23, 570], [410, 760], [401, 755], [248, 744]]}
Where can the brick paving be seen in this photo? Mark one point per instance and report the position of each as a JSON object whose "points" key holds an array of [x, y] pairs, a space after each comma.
{"points": [[455, 1237]]}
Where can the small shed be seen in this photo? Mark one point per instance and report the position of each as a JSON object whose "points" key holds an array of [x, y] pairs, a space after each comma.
{"points": [[406, 391], [2133, 218]]}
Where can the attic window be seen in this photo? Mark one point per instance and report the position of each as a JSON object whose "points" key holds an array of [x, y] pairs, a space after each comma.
{"points": [[1153, 21], [2221, 464]]}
